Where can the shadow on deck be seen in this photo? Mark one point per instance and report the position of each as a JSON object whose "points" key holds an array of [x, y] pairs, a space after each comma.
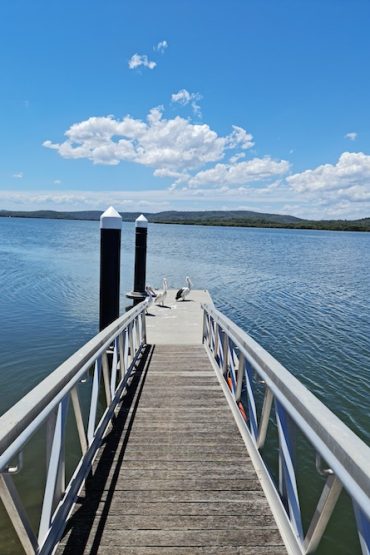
{"points": [[102, 481]]}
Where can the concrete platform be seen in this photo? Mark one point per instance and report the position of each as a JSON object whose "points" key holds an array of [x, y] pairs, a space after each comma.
{"points": [[177, 322]]}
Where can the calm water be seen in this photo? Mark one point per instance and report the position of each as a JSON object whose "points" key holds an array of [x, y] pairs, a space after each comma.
{"points": [[304, 295]]}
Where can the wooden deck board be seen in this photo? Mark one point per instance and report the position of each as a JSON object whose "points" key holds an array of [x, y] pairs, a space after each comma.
{"points": [[173, 475]]}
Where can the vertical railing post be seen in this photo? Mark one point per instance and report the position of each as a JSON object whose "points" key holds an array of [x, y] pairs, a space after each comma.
{"points": [[287, 478], [141, 237], [204, 333], [55, 480], [225, 349], [216, 332], [363, 527], [143, 327], [110, 263]]}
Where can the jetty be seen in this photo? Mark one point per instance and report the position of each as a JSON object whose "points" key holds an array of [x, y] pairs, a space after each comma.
{"points": [[173, 475], [172, 432]]}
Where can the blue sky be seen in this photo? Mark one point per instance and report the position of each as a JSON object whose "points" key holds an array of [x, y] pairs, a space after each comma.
{"points": [[156, 105]]}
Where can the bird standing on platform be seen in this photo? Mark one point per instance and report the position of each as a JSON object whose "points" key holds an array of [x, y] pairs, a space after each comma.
{"points": [[150, 292], [150, 297], [161, 295], [184, 291]]}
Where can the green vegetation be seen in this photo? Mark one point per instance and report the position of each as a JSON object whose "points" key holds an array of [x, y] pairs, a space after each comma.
{"points": [[231, 218]]}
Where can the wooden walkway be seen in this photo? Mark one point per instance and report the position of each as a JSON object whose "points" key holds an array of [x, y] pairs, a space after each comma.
{"points": [[173, 476]]}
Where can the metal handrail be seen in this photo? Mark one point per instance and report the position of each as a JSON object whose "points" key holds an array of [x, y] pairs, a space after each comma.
{"points": [[348, 457], [46, 393], [113, 353]]}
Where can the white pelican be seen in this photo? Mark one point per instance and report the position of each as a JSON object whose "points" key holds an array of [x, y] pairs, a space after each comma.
{"points": [[184, 291], [161, 295], [150, 297], [150, 291]]}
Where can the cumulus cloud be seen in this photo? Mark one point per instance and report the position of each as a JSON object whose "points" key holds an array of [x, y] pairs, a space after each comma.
{"points": [[161, 46], [352, 168], [238, 173], [188, 153], [138, 60], [240, 138], [180, 177], [185, 97], [164, 144], [18, 175], [237, 157], [351, 136]]}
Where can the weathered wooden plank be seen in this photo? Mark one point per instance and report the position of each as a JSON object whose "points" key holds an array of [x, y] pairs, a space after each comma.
{"points": [[178, 496], [180, 404], [188, 538], [197, 456], [226, 467], [168, 441], [162, 426], [255, 505], [165, 389], [185, 522], [186, 454], [142, 436], [255, 550], [214, 473], [173, 485], [166, 377], [205, 411]]}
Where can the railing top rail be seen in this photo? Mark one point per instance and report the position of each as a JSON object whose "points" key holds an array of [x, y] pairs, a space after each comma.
{"points": [[20, 416], [343, 450]]}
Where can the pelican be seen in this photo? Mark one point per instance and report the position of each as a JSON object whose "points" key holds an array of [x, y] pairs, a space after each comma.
{"points": [[150, 291], [161, 295], [150, 295], [184, 291]]}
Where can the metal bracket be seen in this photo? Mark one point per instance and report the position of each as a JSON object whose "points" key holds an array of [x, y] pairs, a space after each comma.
{"points": [[322, 471], [16, 468]]}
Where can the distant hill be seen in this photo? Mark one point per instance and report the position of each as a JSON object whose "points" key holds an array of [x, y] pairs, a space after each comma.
{"points": [[222, 216], [237, 218]]}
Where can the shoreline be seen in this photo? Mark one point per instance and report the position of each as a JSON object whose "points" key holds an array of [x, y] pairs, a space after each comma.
{"points": [[309, 225]]}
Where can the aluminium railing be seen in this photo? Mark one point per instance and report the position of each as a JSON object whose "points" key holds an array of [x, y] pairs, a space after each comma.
{"points": [[243, 365], [107, 361]]}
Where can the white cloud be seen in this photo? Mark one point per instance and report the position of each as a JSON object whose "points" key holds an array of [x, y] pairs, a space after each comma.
{"points": [[174, 148], [351, 136], [18, 175], [239, 173], [352, 168], [138, 60], [237, 157], [161, 46], [240, 138], [184, 97], [85, 200], [57, 182], [164, 144], [180, 177], [275, 197]]}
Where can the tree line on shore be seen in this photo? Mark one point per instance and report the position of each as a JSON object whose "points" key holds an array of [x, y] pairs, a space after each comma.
{"points": [[230, 218]]}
